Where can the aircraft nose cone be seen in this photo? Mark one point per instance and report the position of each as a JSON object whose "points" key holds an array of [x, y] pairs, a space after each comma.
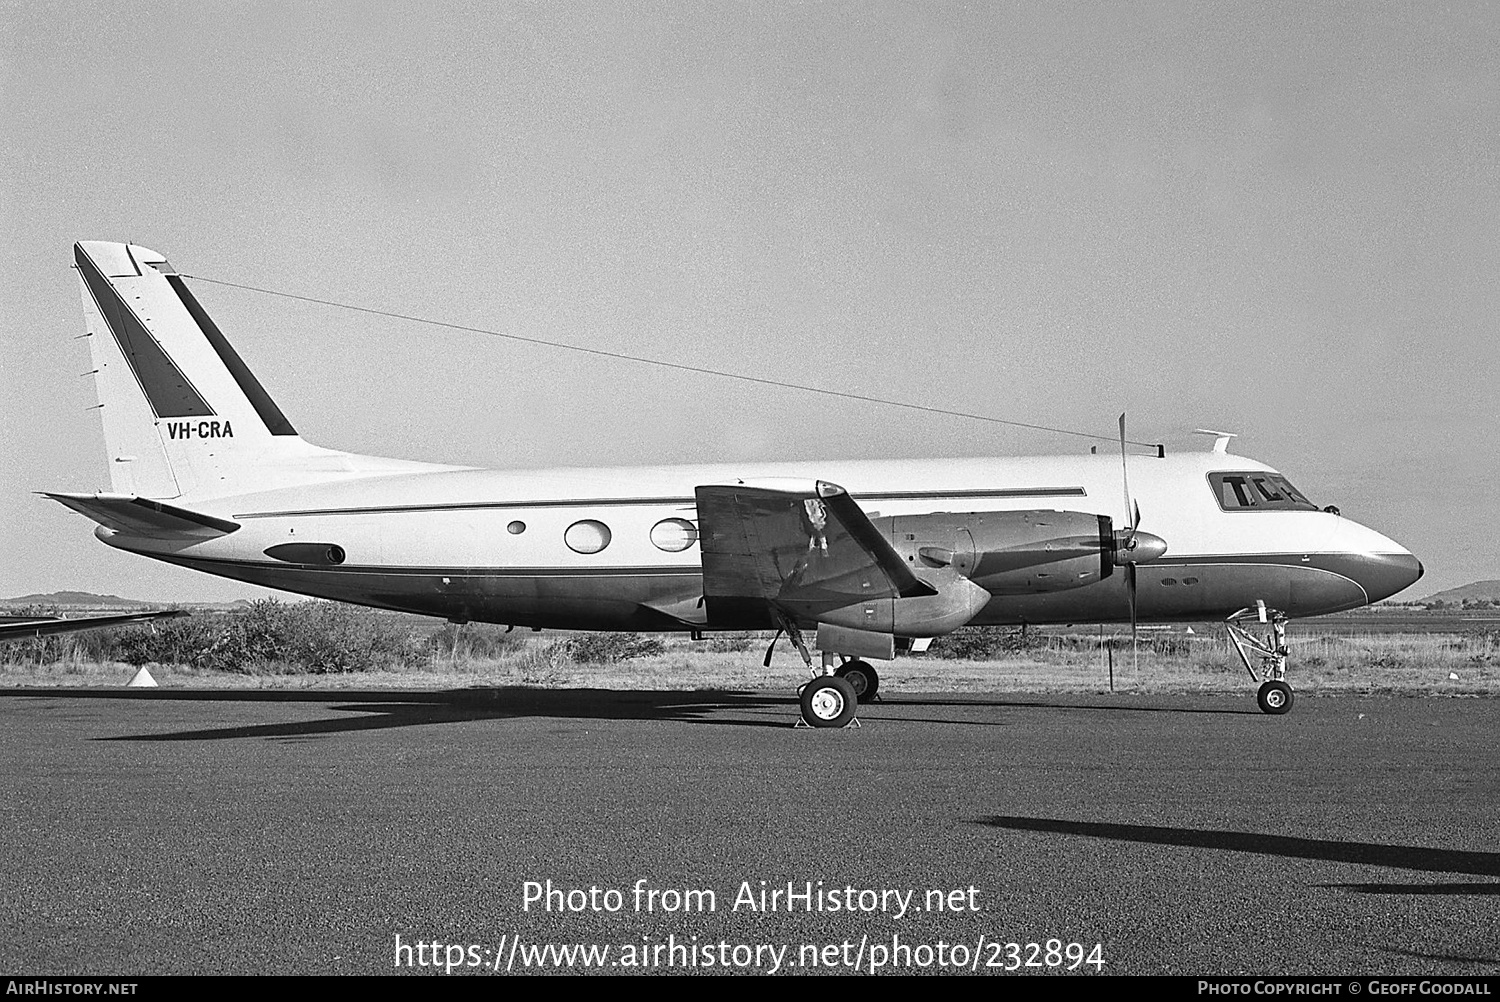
{"points": [[1376, 564], [1382, 575]]}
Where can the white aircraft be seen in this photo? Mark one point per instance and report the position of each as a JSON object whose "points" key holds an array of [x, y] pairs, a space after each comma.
{"points": [[871, 558]]}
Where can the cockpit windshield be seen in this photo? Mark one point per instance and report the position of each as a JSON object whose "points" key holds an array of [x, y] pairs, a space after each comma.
{"points": [[1258, 491]]}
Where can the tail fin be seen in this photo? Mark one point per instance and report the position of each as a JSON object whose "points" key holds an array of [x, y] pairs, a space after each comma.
{"points": [[183, 415]]}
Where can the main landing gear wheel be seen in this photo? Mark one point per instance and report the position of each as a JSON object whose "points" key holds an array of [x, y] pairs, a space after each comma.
{"points": [[1274, 697], [861, 675], [828, 701]]}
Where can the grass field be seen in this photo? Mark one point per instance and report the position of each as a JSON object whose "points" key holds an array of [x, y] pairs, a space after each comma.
{"points": [[323, 645]]}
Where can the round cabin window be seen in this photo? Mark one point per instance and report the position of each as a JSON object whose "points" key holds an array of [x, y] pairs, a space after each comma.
{"points": [[674, 534], [587, 536]]}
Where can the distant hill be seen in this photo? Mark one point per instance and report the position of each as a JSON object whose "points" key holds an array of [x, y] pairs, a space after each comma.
{"points": [[1476, 591], [74, 598], [88, 600]]}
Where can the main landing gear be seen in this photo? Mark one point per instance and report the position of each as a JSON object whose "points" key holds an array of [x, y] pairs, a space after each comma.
{"points": [[832, 700], [1274, 695], [833, 696]]}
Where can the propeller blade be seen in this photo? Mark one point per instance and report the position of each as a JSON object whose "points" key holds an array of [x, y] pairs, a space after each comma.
{"points": [[1155, 546]]}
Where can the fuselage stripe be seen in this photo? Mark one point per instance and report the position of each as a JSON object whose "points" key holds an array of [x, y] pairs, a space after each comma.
{"points": [[687, 501], [1240, 560]]}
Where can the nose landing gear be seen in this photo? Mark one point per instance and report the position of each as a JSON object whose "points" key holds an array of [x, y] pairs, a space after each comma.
{"points": [[1274, 695]]}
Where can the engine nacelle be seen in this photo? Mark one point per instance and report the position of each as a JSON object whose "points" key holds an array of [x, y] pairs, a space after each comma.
{"points": [[1009, 552], [957, 601]]}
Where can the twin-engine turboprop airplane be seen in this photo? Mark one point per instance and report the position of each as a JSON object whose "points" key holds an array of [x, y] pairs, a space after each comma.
{"points": [[870, 558]]}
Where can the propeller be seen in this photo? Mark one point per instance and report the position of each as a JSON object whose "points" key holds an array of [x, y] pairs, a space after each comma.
{"points": [[1133, 546], [1127, 547]]}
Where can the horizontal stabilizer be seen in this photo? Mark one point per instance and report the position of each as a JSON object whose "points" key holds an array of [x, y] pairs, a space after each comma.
{"points": [[138, 516]]}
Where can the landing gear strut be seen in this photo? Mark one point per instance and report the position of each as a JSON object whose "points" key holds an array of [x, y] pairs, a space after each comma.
{"points": [[1274, 695]]}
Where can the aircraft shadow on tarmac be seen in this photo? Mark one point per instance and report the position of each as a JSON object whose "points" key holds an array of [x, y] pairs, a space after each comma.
{"points": [[377, 709], [1456, 888], [1407, 857], [1083, 703]]}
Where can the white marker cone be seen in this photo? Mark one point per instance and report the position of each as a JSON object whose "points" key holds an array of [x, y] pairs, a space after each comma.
{"points": [[142, 679]]}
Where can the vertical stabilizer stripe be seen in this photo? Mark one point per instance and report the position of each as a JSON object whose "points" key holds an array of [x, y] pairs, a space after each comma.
{"points": [[166, 388], [276, 422]]}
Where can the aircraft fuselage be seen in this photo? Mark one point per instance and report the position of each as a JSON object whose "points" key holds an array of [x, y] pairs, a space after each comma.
{"points": [[512, 547]]}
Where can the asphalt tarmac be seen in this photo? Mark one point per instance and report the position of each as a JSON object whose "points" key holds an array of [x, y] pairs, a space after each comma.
{"points": [[180, 832]]}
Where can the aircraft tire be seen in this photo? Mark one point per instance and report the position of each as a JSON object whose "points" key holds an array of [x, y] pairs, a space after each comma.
{"points": [[828, 701], [862, 676], [1274, 697]]}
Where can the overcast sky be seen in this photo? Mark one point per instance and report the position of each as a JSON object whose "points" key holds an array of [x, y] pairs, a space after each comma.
{"points": [[1277, 219]]}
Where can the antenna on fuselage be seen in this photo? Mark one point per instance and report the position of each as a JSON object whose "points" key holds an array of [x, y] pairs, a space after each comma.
{"points": [[1221, 439]]}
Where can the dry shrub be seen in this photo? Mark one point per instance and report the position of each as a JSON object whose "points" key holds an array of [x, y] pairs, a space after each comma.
{"points": [[611, 648], [475, 642], [732, 643], [275, 637], [986, 643], [544, 664]]}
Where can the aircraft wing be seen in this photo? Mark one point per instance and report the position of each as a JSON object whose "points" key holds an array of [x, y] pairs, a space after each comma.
{"points": [[140, 516], [27, 628], [802, 543]]}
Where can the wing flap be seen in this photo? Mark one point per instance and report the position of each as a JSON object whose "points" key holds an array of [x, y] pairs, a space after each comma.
{"points": [[802, 543], [138, 516]]}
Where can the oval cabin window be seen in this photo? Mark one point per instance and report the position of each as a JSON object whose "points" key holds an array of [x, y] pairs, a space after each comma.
{"points": [[587, 536], [674, 534]]}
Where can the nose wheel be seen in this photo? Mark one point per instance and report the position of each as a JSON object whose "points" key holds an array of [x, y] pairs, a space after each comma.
{"points": [[1274, 695]]}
